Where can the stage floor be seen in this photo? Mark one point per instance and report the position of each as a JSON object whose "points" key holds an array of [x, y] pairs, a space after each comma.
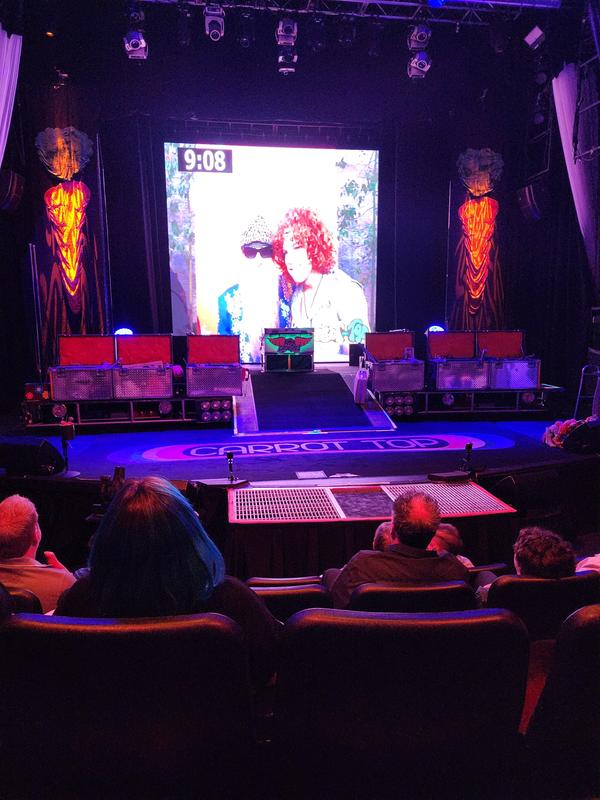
{"points": [[414, 449]]}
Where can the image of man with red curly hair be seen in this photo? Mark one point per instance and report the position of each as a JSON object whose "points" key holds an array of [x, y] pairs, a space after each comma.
{"points": [[316, 293]]}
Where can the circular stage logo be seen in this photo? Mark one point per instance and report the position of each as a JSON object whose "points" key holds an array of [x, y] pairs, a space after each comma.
{"points": [[415, 443]]}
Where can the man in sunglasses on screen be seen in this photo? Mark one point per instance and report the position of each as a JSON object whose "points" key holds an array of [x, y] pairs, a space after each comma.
{"points": [[252, 304]]}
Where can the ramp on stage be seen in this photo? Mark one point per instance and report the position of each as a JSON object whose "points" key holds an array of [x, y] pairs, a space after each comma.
{"points": [[284, 402]]}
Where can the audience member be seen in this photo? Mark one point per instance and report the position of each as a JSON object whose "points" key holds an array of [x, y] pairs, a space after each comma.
{"points": [[448, 539], [538, 553], [151, 557], [383, 536], [20, 537], [414, 521]]}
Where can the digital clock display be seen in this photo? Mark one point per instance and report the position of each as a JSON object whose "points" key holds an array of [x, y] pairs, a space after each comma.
{"points": [[204, 159]]}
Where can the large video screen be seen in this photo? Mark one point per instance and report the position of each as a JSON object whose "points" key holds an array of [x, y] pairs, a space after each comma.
{"points": [[273, 237]]}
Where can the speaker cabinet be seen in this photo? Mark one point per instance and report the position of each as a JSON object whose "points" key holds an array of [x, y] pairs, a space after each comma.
{"points": [[28, 455]]}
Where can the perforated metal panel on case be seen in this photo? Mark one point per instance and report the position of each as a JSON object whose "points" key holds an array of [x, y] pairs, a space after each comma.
{"points": [[81, 383], [133, 383], [514, 374], [214, 380], [398, 376], [457, 374]]}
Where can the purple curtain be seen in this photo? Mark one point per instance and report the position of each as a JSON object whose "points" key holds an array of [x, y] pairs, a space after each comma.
{"points": [[10, 56], [583, 174]]}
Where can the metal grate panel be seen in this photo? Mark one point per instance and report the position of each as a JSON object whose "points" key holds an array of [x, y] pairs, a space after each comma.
{"points": [[455, 499], [81, 383], [273, 505]]}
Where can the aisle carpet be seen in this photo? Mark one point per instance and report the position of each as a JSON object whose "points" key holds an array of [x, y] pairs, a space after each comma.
{"points": [[309, 401]]}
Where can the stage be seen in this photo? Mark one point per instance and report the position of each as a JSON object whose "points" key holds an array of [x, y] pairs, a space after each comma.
{"points": [[413, 449], [291, 432], [545, 485]]}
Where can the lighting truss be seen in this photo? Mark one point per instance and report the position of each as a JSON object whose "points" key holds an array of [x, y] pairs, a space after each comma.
{"points": [[454, 12]]}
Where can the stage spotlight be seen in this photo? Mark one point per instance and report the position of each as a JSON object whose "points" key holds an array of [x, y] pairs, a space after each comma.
{"points": [[538, 116], [184, 34], [214, 22], [448, 399], [541, 75], [215, 404], [346, 33], [435, 328], [316, 36], [375, 39], [286, 34], [398, 411], [226, 416], [215, 416], [246, 30], [226, 404], [408, 411], [286, 60], [528, 398], [60, 79], [205, 416], [205, 405], [165, 407], [136, 46], [123, 332], [535, 38], [419, 65], [418, 37]]}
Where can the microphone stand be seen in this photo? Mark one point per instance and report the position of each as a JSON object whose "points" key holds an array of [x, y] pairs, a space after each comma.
{"points": [[67, 434]]}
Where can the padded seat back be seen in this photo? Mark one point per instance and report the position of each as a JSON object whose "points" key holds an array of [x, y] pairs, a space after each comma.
{"points": [[544, 603], [297, 580], [367, 698], [283, 601], [563, 737], [110, 707], [25, 600], [405, 597]]}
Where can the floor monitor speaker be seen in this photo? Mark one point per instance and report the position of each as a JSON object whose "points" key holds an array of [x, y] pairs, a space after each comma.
{"points": [[29, 455]]}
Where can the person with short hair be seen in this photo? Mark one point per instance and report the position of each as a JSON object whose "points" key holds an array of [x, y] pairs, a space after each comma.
{"points": [[20, 538], [448, 539], [541, 553], [537, 553], [414, 521], [383, 536], [151, 557]]}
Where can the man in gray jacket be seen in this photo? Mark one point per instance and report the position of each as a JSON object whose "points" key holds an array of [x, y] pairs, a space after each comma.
{"points": [[415, 519]]}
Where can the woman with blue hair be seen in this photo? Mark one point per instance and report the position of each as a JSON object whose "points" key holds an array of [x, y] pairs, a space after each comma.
{"points": [[151, 557]]}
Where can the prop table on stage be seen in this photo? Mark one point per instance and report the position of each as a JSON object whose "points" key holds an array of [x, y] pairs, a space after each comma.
{"points": [[286, 531]]}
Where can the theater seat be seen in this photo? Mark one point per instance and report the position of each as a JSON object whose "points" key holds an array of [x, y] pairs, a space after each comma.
{"points": [[123, 708], [283, 601], [497, 567], [563, 738], [543, 603], [400, 705], [24, 600], [406, 597], [299, 580]]}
